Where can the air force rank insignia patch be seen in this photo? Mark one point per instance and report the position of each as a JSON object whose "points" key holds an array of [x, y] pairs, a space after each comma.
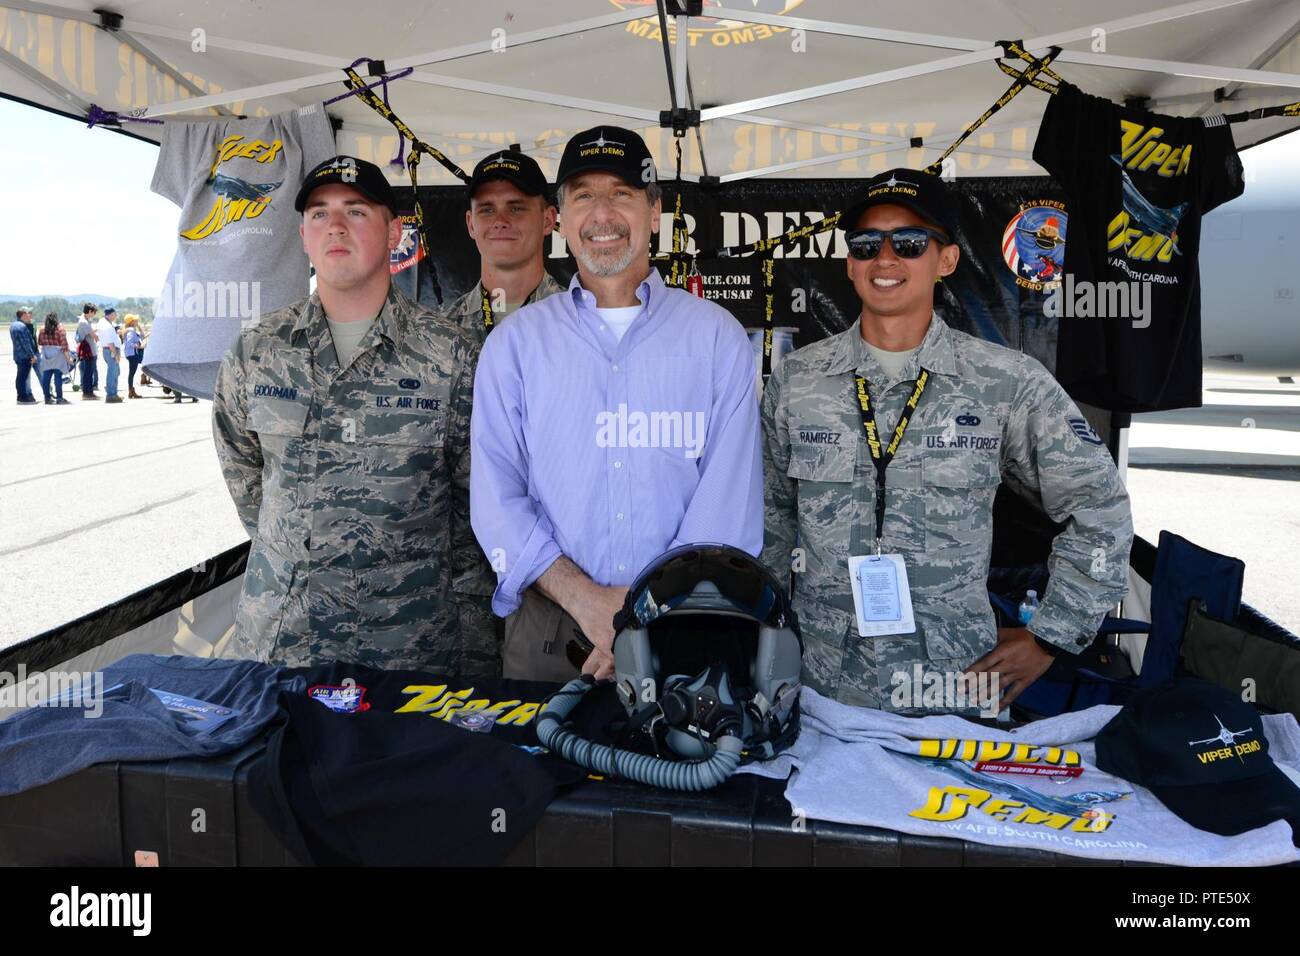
{"points": [[1081, 428]]}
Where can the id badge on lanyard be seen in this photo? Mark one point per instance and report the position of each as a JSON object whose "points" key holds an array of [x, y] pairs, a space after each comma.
{"points": [[882, 599]]}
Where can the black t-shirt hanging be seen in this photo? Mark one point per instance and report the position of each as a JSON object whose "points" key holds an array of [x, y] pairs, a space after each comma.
{"points": [[1137, 185]]}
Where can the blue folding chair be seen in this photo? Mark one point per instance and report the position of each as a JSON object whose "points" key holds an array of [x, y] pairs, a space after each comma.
{"points": [[1180, 573]]}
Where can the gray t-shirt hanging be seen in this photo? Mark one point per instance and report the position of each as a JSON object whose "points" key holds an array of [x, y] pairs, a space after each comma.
{"points": [[239, 255]]}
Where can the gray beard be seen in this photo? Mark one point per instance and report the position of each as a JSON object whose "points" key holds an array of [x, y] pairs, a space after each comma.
{"points": [[603, 266]]}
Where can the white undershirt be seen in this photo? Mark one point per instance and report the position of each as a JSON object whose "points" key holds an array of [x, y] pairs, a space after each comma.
{"points": [[891, 363], [347, 338], [619, 320]]}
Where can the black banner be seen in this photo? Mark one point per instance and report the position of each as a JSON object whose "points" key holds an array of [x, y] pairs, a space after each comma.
{"points": [[1011, 232]]}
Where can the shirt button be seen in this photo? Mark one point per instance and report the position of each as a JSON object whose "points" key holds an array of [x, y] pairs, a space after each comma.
{"points": [[620, 516], [622, 567], [615, 368], [618, 464]]}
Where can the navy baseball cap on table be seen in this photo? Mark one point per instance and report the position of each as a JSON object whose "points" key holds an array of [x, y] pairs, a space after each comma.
{"points": [[1202, 751], [924, 193], [608, 149], [366, 178], [512, 166]]}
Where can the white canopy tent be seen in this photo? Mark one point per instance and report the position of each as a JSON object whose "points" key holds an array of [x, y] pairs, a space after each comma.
{"points": [[784, 88]]}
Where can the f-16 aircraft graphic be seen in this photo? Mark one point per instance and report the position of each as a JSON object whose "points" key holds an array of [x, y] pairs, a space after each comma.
{"points": [[1224, 736], [234, 188], [1071, 804], [602, 142], [1161, 221], [893, 181]]}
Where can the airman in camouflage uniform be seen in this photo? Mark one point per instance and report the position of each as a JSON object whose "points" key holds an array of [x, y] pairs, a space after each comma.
{"points": [[508, 221], [353, 484], [986, 412], [467, 311]]}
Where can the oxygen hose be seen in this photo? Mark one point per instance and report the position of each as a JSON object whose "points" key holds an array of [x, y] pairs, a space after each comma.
{"points": [[652, 771]]}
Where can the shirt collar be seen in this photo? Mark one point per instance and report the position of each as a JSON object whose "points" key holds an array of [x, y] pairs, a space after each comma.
{"points": [[647, 293], [387, 325], [936, 352]]}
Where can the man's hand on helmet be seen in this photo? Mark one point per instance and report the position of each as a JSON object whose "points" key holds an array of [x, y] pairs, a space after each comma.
{"points": [[595, 615], [599, 664]]}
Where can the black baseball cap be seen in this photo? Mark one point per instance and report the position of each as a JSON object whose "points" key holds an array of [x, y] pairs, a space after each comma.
{"points": [[609, 149], [1202, 751], [366, 178], [924, 193], [514, 167]]}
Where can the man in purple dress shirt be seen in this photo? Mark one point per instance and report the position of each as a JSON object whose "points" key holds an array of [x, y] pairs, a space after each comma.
{"points": [[612, 422]]}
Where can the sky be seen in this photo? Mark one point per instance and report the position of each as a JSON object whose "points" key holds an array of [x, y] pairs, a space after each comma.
{"points": [[78, 216]]}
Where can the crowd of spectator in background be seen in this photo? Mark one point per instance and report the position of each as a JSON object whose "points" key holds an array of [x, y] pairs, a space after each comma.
{"points": [[49, 355]]}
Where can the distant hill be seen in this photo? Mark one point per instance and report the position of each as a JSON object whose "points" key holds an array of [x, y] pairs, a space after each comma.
{"points": [[68, 307], [78, 298]]}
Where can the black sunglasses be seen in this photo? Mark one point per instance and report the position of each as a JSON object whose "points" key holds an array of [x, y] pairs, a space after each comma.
{"points": [[908, 242]]}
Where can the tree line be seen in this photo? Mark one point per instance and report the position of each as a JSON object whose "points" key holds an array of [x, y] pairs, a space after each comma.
{"points": [[69, 310]]}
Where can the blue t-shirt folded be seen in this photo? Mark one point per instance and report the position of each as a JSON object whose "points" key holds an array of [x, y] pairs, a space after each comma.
{"points": [[146, 708]]}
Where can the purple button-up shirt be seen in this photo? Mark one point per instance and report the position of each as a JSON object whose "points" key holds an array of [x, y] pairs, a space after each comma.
{"points": [[611, 452]]}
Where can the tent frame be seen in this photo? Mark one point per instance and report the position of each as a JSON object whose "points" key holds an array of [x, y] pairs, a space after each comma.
{"points": [[972, 51]]}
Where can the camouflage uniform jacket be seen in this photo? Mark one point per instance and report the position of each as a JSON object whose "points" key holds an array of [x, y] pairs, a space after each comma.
{"points": [[467, 312], [353, 484], [986, 412], [476, 585]]}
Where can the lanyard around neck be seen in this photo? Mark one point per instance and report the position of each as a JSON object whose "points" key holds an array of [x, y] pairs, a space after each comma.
{"points": [[882, 455]]}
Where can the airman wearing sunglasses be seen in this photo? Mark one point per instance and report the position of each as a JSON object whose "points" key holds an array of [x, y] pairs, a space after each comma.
{"points": [[886, 443]]}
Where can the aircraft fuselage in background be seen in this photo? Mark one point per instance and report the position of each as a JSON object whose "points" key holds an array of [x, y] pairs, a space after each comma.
{"points": [[1250, 269]]}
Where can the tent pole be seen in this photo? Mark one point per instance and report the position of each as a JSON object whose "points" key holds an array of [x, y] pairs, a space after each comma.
{"points": [[857, 153], [855, 83], [980, 53], [854, 134], [162, 66], [962, 43], [75, 102], [679, 60], [887, 138], [1135, 22], [1274, 48], [1200, 71], [649, 117], [805, 163], [325, 79]]}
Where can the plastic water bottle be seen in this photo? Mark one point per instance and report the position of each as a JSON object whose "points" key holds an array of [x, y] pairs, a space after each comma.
{"points": [[1028, 606]]}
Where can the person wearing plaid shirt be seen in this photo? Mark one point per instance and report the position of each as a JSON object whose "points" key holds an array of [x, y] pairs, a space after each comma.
{"points": [[56, 359]]}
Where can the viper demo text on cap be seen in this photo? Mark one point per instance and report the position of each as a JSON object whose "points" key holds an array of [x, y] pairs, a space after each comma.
{"points": [[924, 193], [366, 178], [608, 149], [514, 167], [1202, 751]]}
